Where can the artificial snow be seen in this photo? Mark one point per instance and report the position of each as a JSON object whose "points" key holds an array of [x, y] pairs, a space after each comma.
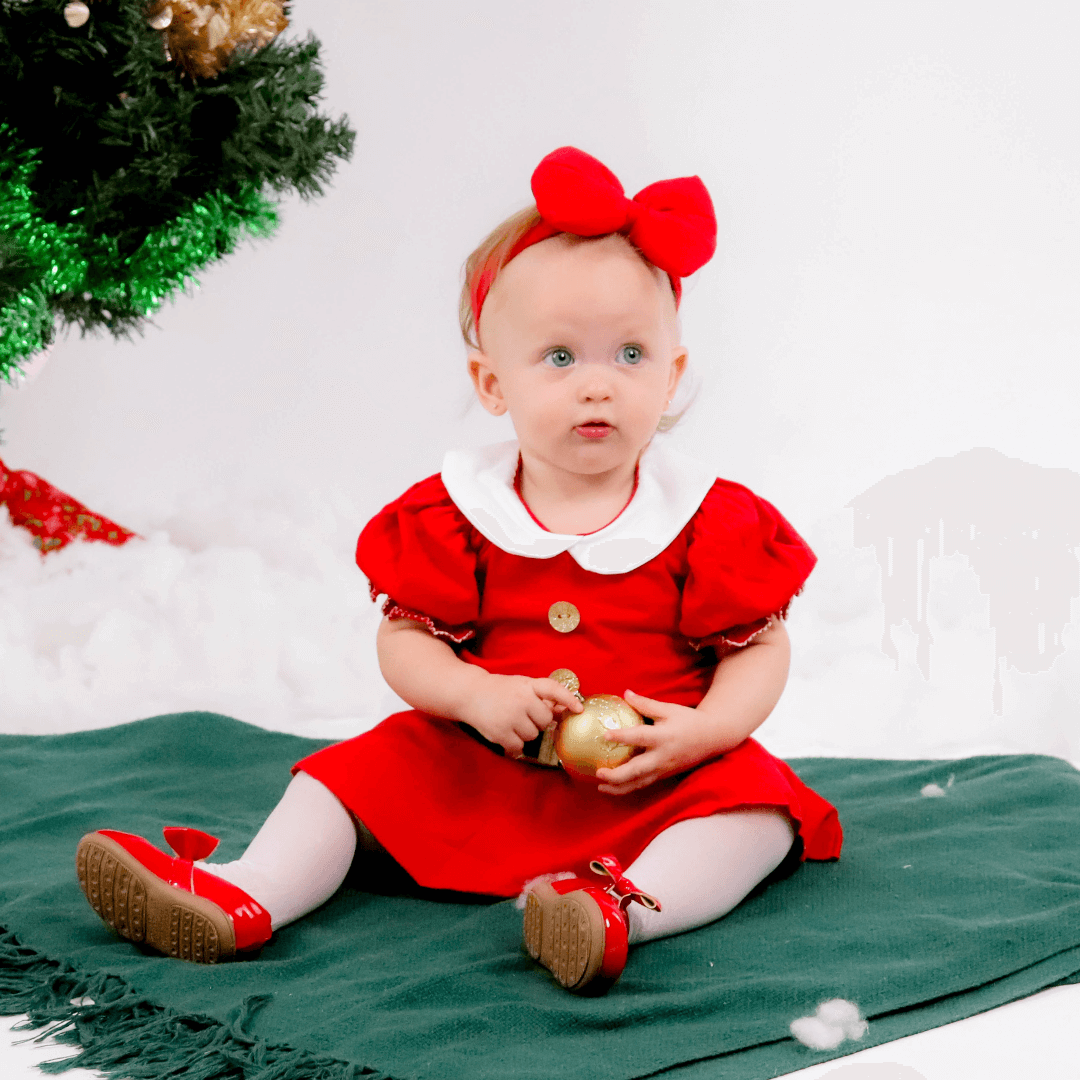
{"points": [[833, 1022], [252, 609]]}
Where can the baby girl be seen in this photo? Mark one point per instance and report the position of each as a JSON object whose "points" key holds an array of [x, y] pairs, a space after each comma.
{"points": [[584, 544]]}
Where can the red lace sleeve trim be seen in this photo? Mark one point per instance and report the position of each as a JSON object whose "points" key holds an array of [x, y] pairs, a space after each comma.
{"points": [[393, 610], [725, 642]]}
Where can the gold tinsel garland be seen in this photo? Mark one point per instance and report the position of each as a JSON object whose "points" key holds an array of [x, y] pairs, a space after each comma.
{"points": [[202, 37]]}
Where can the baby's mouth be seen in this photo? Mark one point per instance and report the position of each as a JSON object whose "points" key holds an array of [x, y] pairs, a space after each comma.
{"points": [[594, 429]]}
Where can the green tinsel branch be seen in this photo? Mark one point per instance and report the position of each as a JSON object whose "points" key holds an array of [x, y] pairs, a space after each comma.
{"points": [[120, 177], [87, 280]]}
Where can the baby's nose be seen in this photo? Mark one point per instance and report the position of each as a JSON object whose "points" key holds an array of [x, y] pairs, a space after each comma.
{"points": [[595, 384]]}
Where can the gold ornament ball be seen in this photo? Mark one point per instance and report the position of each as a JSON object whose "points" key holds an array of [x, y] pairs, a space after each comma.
{"points": [[161, 19], [579, 738], [76, 14]]}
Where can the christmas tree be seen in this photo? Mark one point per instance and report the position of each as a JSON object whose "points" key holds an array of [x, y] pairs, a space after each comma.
{"points": [[138, 143]]}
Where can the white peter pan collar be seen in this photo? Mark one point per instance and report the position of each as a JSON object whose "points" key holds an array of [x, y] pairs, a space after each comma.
{"points": [[671, 487]]}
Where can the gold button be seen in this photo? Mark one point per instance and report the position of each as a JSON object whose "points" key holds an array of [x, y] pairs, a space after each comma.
{"points": [[563, 616]]}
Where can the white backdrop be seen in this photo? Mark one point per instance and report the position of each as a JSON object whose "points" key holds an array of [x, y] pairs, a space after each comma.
{"points": [[899, 261]]}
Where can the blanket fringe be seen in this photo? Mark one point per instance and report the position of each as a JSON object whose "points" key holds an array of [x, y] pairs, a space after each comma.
{"points": [[123, 1035]]}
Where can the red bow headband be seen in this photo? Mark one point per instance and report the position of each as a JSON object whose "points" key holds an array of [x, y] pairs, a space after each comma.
{"points": [[671, 222]]}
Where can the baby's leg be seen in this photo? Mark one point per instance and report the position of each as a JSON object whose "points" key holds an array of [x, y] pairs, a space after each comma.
{"points": [[299, 857], [701, 868]]}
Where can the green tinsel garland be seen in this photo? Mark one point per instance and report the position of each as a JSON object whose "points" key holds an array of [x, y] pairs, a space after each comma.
{"points": [[124, 290], [120, 177]]}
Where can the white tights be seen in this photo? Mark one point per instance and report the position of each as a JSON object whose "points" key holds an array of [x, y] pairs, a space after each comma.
{"points": [[699, 869], [300, 856]]}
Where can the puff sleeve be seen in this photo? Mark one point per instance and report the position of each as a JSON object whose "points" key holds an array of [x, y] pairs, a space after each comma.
{"points": [[422, 553], [745, 564]]}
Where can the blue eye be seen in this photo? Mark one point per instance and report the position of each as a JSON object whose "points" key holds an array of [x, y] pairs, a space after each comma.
{"points": [[631, 354], [560, 358]]}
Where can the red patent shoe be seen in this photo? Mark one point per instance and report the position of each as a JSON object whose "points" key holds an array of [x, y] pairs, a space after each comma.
{"points": [[168, 903], [578, 929]]}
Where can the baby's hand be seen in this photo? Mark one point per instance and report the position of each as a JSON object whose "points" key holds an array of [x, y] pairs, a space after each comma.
{"points": [[679, 739], [511, 710]]}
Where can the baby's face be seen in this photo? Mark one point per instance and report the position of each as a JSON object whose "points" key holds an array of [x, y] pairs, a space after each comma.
{"points": [[579, 343]]}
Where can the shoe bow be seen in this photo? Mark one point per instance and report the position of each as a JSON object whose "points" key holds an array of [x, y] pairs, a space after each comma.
{"points": [[189, 844], [622, 888]]}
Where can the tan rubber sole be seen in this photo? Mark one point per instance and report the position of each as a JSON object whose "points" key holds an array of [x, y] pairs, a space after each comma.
{"points": [[143, 908], [566, 935]]}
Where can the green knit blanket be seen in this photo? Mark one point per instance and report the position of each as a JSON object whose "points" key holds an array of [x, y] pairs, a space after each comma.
{"points": [[940, 907]]}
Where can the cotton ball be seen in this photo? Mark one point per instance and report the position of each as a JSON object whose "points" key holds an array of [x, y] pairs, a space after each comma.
{"points": [[816, 1034], [936, 791], [833, 1022], [564, 875], [845, 1015]]}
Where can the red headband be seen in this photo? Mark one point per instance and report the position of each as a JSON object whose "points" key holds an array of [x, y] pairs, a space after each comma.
{"points": [[671, 222]]}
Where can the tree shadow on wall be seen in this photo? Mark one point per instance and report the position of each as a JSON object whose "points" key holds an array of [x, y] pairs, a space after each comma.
{"points": [[1018, 526]]}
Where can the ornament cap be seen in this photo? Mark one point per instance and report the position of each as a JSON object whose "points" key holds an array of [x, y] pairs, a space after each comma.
{"points": [[567, 678]]}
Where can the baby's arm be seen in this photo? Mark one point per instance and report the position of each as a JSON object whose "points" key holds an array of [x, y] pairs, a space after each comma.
{"points": [[745, 688], [506, 709]]}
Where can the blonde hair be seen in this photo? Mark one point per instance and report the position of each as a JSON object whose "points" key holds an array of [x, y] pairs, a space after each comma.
{"points": [[489, 258]]}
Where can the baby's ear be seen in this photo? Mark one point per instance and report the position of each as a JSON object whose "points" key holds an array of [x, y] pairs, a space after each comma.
{"points": [[679, 358], [486, 383]]}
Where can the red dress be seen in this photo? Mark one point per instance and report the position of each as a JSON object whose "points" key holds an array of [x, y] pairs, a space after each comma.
{"points": [[457, 815]]}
